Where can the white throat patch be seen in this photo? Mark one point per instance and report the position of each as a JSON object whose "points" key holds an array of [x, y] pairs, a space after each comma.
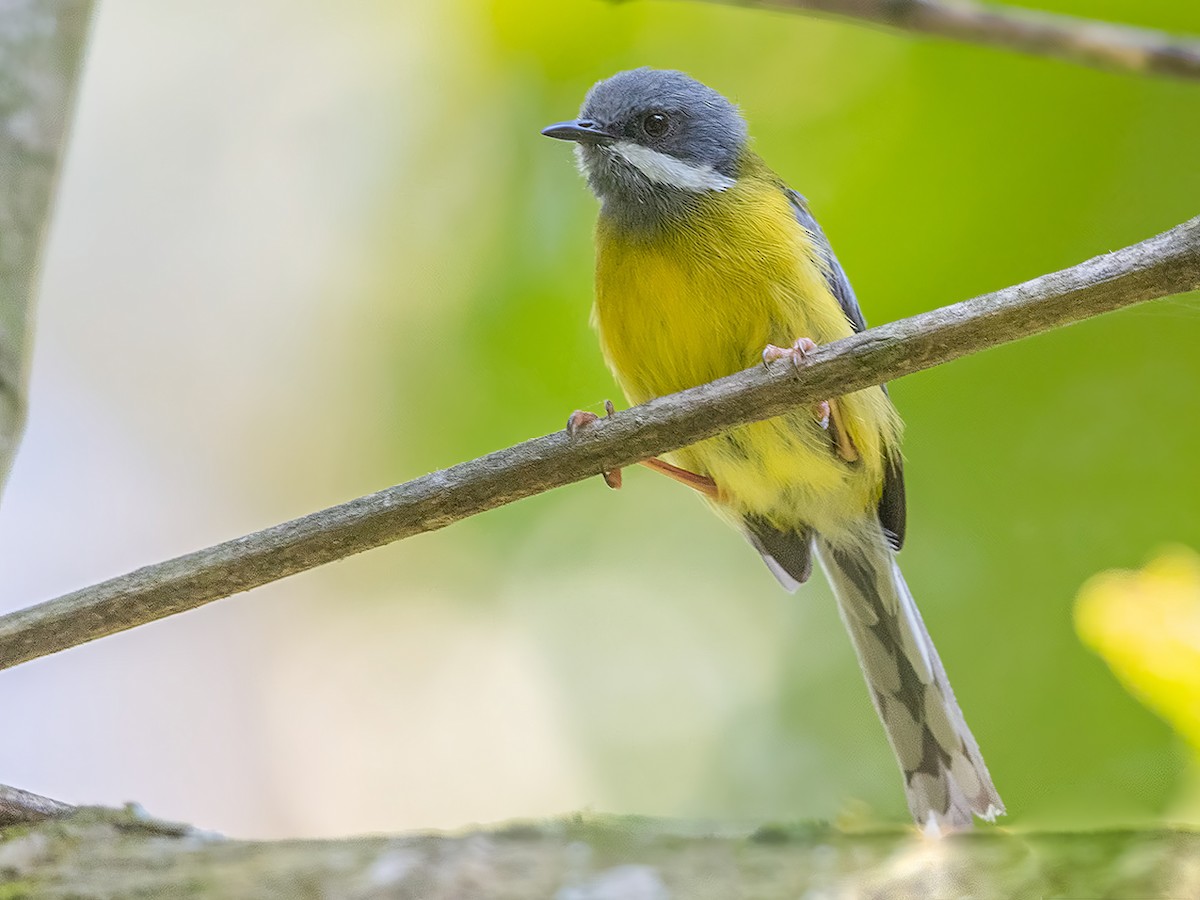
{"points": [[663, 169]]}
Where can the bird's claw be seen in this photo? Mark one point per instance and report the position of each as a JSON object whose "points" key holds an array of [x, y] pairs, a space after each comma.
{"points": [[797, 354], [822, 412], [827, 412], [580, 419]]}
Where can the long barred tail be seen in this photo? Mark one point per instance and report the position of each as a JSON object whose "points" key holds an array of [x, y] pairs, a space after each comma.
{"points": [[945, 777]]}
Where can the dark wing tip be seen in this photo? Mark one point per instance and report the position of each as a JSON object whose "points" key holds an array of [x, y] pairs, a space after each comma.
{"points": [[788, 554], [893, 507]]}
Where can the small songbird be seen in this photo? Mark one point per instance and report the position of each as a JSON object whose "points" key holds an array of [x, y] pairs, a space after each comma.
{"points": [[707, 263]]}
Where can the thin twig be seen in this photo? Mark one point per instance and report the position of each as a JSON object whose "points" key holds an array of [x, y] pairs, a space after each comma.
{"points": [[18, 807], [1122, 48], [1163, 265]]}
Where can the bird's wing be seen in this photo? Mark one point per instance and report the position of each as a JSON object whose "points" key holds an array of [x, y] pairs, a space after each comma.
{"points": [[892, 507], [788, 554], [835, 275]]}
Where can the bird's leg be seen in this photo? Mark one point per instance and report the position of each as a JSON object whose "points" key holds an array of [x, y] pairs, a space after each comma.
{"points": [[702, 483], [845, 444], [828, 412]]}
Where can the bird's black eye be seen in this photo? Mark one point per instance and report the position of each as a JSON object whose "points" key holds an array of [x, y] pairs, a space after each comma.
{"points": [[656, 124]]}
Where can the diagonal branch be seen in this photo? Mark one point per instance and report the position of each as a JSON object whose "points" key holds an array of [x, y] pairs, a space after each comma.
{"points": [[1163, 265], [1121, 48]]}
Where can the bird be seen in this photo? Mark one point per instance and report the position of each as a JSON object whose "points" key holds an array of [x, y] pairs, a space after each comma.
{"points": [[707, 263]]}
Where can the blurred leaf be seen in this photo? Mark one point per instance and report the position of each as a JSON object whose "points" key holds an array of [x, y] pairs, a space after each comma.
{"points": [[1146, 625]]}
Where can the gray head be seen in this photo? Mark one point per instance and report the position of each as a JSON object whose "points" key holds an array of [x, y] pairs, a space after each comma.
{"points": [[650, 141]]}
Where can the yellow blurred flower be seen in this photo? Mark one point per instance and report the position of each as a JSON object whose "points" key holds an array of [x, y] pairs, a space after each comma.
{"points": [[1146, 625]]}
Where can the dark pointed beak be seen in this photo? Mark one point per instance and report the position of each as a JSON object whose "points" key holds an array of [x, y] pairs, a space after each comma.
{"points": [[582, 131]]}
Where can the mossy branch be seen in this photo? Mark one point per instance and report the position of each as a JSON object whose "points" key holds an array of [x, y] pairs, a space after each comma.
{"points": [[1158, 267], [109, 854], [20, 807], [1119, 48]]}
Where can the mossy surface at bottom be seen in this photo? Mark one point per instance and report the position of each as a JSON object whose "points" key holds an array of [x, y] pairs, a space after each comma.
{"points": [[103, 855]]}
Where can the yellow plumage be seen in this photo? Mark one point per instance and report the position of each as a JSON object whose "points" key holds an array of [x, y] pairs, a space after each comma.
{"points": [[680, 306]]}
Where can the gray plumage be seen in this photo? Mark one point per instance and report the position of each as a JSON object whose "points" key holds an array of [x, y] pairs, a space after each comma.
{"points": [[704, 130], [705, 127]]}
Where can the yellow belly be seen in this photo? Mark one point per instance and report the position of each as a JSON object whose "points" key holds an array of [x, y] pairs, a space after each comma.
{"points": [[689, 304]]}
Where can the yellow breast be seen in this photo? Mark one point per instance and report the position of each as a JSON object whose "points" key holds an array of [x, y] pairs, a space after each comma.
{"points": [[691, 302]]}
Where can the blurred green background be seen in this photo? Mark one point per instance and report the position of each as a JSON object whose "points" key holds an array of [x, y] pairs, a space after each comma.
{"points": [[306, 250]]}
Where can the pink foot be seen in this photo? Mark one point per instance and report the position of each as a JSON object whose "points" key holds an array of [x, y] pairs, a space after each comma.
{"points": [[796, 353], [827, 412], [702, 483], [581, 419]]}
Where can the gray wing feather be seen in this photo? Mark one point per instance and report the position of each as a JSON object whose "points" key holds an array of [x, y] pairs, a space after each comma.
{"points": [[892, 504], [835, 276]]}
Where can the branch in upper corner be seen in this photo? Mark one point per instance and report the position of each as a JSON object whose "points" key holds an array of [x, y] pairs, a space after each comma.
{"points": [[18, 807], [1122, 48], [1158, 267]]}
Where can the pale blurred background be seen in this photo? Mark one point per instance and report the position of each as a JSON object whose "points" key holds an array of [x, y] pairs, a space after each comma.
{"points": [[283, 227]]}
